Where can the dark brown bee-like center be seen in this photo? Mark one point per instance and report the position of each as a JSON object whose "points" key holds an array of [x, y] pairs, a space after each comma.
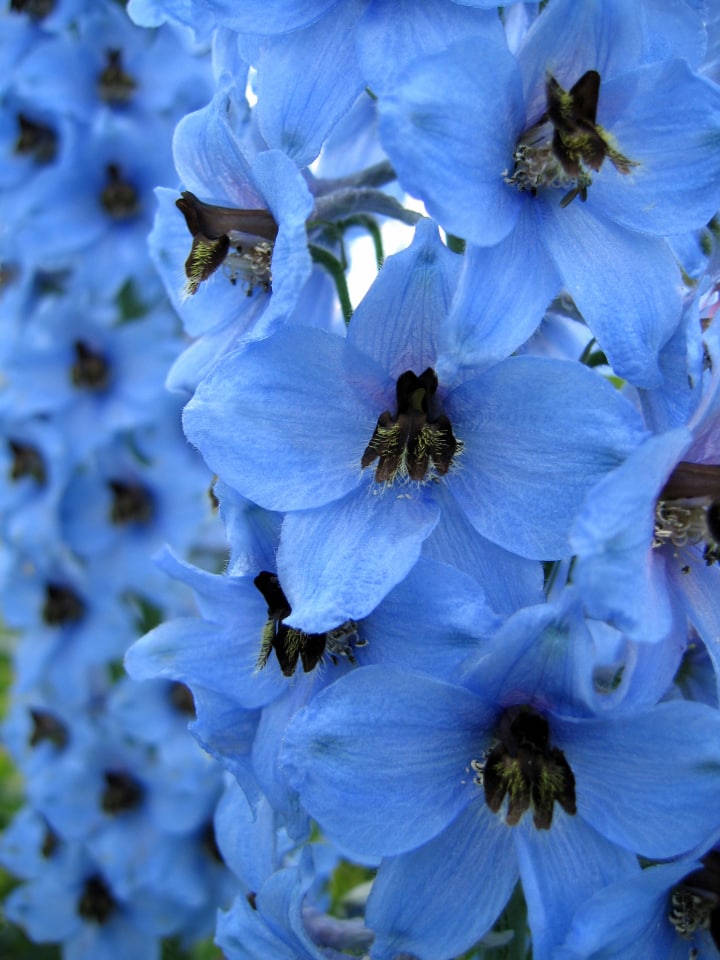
{"points": [[27, 462], [37, 9], [90, 371], [695, 902], [181, 699], [239, 240], [291, 644], [688, 509], [48, 728], [62, 606], [418, 441], [122, 792], [119, 197], [566, 143], [132, 503], [114, 85], [96, 902], [524, 767], [35, 140]]}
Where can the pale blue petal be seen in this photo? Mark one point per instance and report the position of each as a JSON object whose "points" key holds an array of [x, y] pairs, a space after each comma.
{"points": [[338, 562], [397, 321], [676, 185], [307, 81], [286, 420], [649, 782], [439, 899], [380, 757], [466, 102], [503, 293], [621, 581], [626, 285], [560, 868], [533, 428], [417, 30]]}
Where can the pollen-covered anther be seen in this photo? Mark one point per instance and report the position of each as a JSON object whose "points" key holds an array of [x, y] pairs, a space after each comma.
{"points": [[239, 240], [524, 768], [690, 911], [292, 645], [566, 143], [418, 442], [678, 523]]}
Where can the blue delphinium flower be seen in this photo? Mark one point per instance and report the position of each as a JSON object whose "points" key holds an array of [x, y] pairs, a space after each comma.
{"points": [[106, 63], [351, 436], [526, 148], [237, 232], [463, 787], [669, 911], [646, 540]]}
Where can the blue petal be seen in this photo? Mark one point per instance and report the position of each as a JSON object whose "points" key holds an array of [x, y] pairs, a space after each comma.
{"points": [[380, 757], [538, 435], [430, 622], [338, 562], [620, 579], [503, 293], [509, 581], [560, 869], [397, 321], [417, 30], [450, 129], [285, 421], [307, 81], [626, 285], [628, 919], [208, 157], [271, 16], [637, 777], [676, 185], [437, 900]]}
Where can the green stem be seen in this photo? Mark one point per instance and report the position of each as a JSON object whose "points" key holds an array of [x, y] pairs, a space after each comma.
{"points": [[333, 266]]}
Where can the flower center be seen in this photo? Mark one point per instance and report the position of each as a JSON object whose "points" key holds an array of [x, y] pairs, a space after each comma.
{"points": [[96, 902], [132, 503], [418, 442], [688, 509], [122, 792], [37, 9], [523, 767], [694, 902], [62, 606], [241, 241], [566, 143], [27, 462], [114, 85], [46, 726], [291, 644], [119, 197], [35, 140], [90, 370]]}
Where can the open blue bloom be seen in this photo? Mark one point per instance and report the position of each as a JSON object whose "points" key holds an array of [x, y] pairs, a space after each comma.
{"points": [[665, 912], [242, 651], [232, 249], [646, 540], [350, 437], [518, 172], [72, 362], [107, 63], [436, 778]]}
